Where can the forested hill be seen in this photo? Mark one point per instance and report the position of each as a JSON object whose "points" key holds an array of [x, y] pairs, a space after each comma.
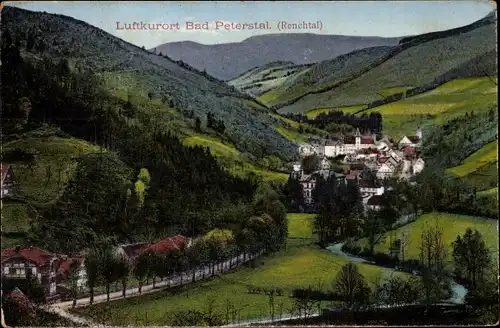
{"points": [[129, 71], [93, 165]]}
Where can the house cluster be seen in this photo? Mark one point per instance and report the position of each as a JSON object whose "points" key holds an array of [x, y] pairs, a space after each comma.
{"points": [[52, 270], [360, 153]]}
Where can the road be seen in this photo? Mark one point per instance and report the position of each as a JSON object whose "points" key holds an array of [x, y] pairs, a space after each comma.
{"points": [[205, 273]]}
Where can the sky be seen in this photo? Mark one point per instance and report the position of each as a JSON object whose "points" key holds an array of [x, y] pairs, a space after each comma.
{"points": [[357, 18]]}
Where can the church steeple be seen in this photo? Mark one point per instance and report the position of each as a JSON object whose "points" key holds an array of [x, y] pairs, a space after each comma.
{"points": [[419, 133], [357, 135]]}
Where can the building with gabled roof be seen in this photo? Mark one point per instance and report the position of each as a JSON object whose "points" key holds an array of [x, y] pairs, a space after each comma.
{"points": [[48, 268], [8, 180], [167, 245]]}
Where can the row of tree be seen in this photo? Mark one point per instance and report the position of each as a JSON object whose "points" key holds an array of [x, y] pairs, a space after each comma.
{"points": [[371, 122]]}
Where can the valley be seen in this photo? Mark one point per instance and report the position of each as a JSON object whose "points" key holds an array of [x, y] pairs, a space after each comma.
{"points": [[247, 182]]}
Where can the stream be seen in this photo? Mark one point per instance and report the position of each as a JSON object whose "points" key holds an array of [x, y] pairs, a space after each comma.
{"points": [[459, 291]]}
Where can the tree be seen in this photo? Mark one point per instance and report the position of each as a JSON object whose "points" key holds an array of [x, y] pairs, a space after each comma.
{"points": [[311, 163], [471, 256], [123, 273], [217, 240], [432, 248], [373, 229], [30, 41], [72, 278], [109, 268], [405, 242], [197, 124], [92, 271], [142, 185], [396, 291], [327, 200], [303, 303], [142, 270], [294, 194], [350, 285], [24, 107]]}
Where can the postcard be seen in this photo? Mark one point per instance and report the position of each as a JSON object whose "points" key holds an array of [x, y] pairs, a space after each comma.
{"points": [[242, 163]]}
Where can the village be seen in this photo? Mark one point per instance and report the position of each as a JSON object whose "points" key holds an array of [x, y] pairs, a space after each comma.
{"points": [[354, 154], [348, 157]]}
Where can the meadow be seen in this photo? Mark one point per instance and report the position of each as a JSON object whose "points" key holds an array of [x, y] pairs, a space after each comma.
{"points": [[41, 182], [301, 264], [436, 107], [452, 225], [486, 155]]}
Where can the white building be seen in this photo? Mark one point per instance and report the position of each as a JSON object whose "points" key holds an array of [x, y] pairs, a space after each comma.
{"points": [[306, 149], [418, 166], [412, 141], [349, 145]]}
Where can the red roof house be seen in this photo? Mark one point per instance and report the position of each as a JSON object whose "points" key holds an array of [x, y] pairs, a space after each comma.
{"points": [[165, 246], [367, 140]]}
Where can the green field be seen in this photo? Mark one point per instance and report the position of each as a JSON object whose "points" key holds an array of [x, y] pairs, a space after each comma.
{"points": [[46, 178], [290, 135], [41, 182], [452, 225], [300, 225], [300, 265], [216, 146], [486, 155], [436, 107], [232, 158], [488, 193], [485, 177]]}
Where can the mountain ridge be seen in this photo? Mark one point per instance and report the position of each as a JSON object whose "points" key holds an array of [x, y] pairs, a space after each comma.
{"points": [[224, 61]]}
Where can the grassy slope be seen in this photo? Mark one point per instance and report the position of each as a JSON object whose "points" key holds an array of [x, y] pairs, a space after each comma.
{"points": [[262, 79], [435, 107], [300, 265], [141, 72], [39, 184], [414, 66], [452, 225], [486, 155], [171, 120], [322, 75]]}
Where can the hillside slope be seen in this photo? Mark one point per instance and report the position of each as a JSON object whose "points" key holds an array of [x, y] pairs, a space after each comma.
{"points": [[226, 61], [419, 61], [129, 69]]}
